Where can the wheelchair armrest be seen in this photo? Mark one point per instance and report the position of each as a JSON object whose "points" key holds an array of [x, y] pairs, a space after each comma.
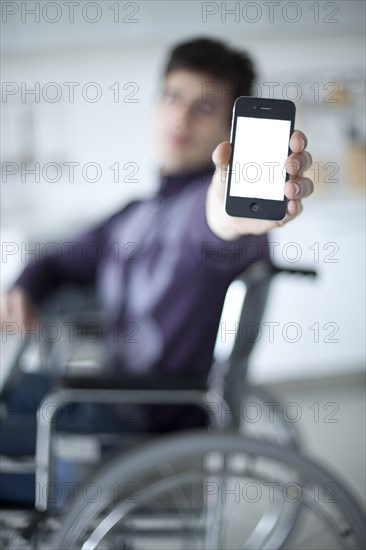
{"points": [[128, 381]]}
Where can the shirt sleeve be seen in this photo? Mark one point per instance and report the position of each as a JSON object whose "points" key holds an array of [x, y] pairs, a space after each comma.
{"points": [[73, 262], [228, 257]]}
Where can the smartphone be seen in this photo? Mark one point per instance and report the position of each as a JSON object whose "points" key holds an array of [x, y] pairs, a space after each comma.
{"points": [[260, 136]]}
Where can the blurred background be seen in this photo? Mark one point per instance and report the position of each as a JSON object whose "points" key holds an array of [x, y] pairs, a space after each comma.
{"points": [[79, 84]]}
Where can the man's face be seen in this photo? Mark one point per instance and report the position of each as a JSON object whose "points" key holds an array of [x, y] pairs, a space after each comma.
{"points": [[189, 122]]}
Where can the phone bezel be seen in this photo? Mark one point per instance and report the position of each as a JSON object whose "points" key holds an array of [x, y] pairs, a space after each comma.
{"points": [[248, 106]]}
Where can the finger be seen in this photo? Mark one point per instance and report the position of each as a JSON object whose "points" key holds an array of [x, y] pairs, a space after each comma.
{"points": [[221, 158], [299, 188], [4, 311], [221, 154], [298, 142], [294, 208], [17, 308], [297, 163], [307, 160]]}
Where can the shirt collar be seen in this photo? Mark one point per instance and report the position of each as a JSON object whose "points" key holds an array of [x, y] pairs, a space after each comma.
{"points": [[172, 184]]}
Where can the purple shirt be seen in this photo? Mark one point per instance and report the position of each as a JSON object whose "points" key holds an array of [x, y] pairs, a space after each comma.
{"points": [[160, 273]]}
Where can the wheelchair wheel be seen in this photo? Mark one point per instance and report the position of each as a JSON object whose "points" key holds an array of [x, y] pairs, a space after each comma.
{"points": [[211, 490], [260, 417]]}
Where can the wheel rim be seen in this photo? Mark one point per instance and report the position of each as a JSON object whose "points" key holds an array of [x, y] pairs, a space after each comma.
{"points": [[342, 518]]}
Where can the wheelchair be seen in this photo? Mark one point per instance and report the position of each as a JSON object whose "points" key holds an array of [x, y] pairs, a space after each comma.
{"points": [[212, 484]]}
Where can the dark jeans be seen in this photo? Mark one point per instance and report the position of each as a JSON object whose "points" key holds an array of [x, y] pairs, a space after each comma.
{"points": [[19, 429]]}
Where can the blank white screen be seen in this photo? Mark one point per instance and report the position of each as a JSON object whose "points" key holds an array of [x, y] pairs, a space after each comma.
{"points": [[261, 148]]}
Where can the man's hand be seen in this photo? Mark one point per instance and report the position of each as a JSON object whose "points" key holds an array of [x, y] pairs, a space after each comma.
{"points": [[296, 188], [17, 307]]}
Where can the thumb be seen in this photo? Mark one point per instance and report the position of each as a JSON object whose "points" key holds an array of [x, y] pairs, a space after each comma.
{"points": [[221, 158]]}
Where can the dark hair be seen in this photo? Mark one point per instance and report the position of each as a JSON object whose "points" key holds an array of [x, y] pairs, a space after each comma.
{"points": [[217, 60]]}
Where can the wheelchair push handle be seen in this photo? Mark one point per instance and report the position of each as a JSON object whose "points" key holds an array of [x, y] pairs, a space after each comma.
{"points": [[262, 272], [294, 271]]}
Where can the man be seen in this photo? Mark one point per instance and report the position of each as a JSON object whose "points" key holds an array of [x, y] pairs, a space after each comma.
{"points": [[166, 284], [160, 273]]}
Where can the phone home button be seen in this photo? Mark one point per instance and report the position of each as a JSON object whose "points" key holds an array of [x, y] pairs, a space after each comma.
{"points": [[254, 208]]}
